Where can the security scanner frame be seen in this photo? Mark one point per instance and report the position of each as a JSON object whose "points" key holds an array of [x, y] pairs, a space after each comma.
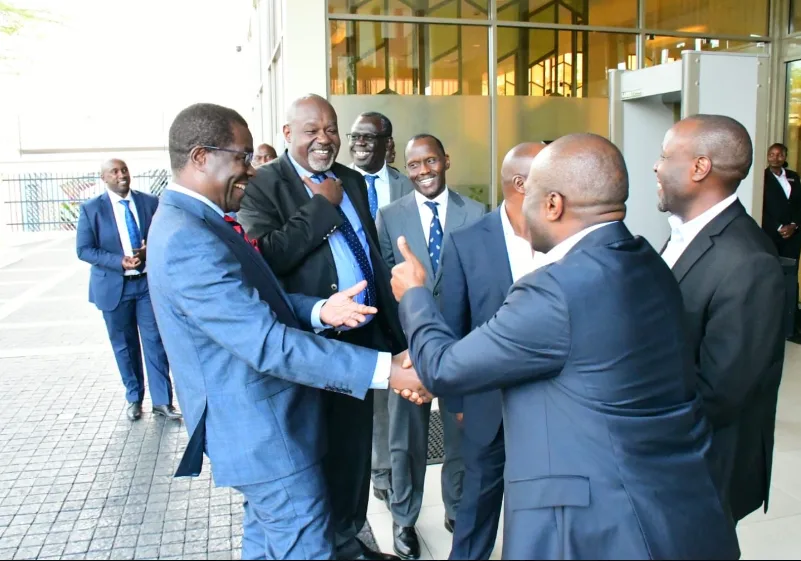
{"points": [[644, 104]]}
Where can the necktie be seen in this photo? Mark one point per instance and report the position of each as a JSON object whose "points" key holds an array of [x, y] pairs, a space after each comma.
{"points": [[434, 237], [130, 223], [355, 246], [372, 194], [241, 231]]}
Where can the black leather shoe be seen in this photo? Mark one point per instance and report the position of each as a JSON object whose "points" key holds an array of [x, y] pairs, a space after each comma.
{"points": [[368, 553], [405, 542], [134, 411], [449, 524], [166, 410]]}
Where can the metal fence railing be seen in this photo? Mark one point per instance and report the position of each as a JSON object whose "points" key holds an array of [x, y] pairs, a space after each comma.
{"points": [[39, 202]]}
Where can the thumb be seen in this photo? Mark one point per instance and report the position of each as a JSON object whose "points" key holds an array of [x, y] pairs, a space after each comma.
{"points": [[355, 289], [403, 247]]}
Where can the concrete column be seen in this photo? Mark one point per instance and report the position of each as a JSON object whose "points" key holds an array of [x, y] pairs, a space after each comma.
{"points": [[304, 49]]}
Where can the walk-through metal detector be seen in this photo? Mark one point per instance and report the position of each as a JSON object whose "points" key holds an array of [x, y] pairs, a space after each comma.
{"points": [[645, 103]]}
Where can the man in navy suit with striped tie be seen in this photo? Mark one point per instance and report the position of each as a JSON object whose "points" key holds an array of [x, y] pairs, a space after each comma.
{"points": [[112, 229]]}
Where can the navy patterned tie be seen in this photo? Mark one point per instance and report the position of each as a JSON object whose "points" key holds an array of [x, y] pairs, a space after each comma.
{"points": [[434, 237], [133, 230], [356, 249], [372, 194]]}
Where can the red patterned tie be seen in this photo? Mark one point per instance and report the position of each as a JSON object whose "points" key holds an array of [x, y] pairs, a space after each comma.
{"points": [[241, 231]]}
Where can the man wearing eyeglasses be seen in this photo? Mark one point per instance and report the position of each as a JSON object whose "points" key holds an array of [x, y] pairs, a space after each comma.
{"points": [[369, 142], [313, 222]]}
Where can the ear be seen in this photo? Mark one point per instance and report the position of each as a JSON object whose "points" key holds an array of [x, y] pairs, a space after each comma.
{"points": [[554, 206], [519, 184], [287, 134], [702, 167], [447, 162], [198, 157]]}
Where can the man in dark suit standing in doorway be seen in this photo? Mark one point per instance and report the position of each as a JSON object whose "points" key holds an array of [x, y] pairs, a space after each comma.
{"points": [[733, 291], [311, 217]]}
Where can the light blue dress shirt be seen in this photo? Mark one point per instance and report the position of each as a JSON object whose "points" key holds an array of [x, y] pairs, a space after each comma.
{"points": [[348, 270]]}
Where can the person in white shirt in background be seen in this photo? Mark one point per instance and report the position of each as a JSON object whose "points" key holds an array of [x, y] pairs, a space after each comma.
{"points": [[479, 264]]}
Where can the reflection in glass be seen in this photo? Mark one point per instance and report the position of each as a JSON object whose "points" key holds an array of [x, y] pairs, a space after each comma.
{"points": [[614, 13], [467, 9], [663, 50], [560, 63], [795, 16], [709, 17], [793, 132], [407, 59]]}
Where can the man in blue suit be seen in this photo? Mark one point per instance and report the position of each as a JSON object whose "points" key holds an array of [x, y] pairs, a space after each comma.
{"points": [[247, 373], [475, 281], [606, 441], [112, 229]]}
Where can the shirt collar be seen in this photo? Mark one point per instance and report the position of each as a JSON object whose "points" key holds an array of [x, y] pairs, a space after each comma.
{"points": [[115, 198], [195, 195], [441, 199], [506, 224], [383, 173], [562, 249], [681, 231], [303, 172]]}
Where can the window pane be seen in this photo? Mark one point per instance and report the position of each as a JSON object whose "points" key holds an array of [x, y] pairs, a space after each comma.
{"points": [[795, 16], [662, 50], [613, 13], [793, 133], [408, 59], [468, 9], [560, 63], [706, 17]]}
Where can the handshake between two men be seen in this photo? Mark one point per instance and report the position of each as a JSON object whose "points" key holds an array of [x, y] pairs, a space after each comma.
{"points": [[341, 310]]}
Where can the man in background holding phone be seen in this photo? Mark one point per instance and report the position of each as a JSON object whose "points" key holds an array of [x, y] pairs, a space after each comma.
{"points": [[112, 229]]}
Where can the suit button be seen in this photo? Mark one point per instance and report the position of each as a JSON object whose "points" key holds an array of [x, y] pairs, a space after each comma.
{"points": [[436, 294], [334, 287]]}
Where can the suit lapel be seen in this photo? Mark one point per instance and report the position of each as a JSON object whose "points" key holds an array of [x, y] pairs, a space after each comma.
{"points": [[496, 245], [456, 217], [395, 185], [142, 213], [415, 238], [107, 214]]}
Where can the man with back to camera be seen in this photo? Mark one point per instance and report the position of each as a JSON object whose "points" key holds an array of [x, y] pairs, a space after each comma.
{"points": [[733, 290], [311, 217], [425, 217], [112, 229], [369, 141], [475, 281], [245, 365], [605, 438]]}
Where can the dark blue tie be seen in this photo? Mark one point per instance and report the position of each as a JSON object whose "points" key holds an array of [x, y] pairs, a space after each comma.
{"points": [[356, 249], [372, 194], [434, 237], [133, 230]]}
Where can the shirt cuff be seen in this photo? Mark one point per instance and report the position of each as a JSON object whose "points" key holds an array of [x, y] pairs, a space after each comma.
{"points": [[316, 322], [381, 374], [780, 227]]}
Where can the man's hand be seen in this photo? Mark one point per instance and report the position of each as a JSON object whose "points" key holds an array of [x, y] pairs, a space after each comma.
{"points": [[331, 189], [130, 263], [341, 309], [460, 418], [141, 253], [787, 232], [404, 381], [409, 274]]}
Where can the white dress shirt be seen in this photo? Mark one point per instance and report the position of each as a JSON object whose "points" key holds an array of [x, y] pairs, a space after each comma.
{"points": [[122, 226], [382, 187], [681, 234], [561, 249], [427, 215], [522, 259], [783, 181], [384, 362]]}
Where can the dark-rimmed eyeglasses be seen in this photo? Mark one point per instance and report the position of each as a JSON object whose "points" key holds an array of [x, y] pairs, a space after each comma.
{"points": [[248, 155], [356, 137]]}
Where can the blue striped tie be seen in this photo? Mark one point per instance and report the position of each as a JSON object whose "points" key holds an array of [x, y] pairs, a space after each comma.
{"points": [[434, 237], [372, 194], [133, 230]]}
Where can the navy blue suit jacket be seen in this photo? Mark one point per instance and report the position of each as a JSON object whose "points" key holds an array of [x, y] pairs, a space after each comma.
{"points": [[244, 370], [606, 441], [475, 281], [98, 242]]}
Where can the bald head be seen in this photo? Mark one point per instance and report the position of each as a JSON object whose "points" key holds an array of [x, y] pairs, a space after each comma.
{"points": [[724, 141], [587, 169], [516, 166], [264, 154], [311, 133], [115, 175]]}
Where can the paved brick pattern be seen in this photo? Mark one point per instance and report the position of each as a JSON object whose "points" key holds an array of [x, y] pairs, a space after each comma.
{"points": [[77, 479]]}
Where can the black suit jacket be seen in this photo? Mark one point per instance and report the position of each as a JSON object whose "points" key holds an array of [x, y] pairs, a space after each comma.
{"points": [[293, 229], [778, 210], [733, 291]]}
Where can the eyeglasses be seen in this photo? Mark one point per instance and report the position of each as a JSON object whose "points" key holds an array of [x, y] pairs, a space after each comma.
{"points": [[248, 155], [355, 137]]}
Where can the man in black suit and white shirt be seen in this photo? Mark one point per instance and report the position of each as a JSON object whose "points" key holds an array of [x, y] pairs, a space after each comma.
{"points": [[369, 143], [732, 286]]}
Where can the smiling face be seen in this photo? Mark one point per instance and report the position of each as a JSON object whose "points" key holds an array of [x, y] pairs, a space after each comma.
{"points": [[427, 165], [312, 135], [368, 144], [229, 172], [116, 176]]}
